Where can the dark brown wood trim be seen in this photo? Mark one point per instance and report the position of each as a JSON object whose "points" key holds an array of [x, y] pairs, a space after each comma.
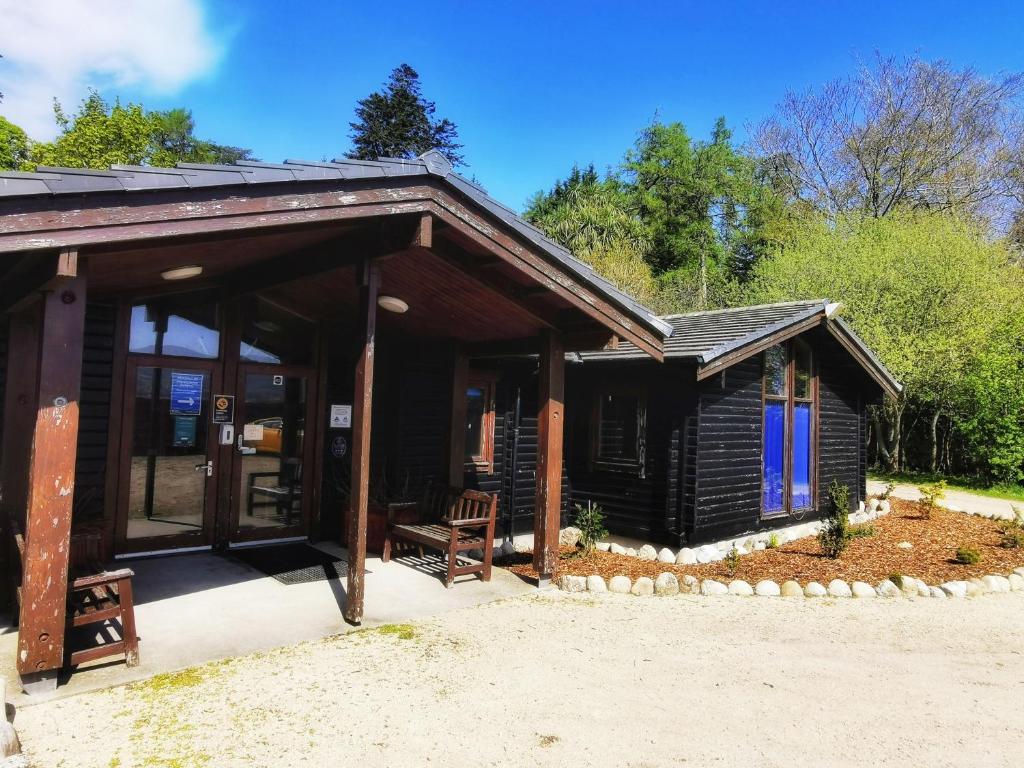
{"points": [[484, 461], [362, 413], [550, 423], [115, 423], [721, 363]]}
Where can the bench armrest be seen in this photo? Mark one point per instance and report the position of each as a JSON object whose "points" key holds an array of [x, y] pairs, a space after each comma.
{"points": [[100, 579], [473, 521]]}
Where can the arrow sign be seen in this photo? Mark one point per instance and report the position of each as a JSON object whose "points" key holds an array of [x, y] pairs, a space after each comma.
{"points": [[186, 393]]}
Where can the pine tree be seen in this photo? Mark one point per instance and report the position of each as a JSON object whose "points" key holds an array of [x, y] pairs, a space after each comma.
{"points": [[399, 122]]}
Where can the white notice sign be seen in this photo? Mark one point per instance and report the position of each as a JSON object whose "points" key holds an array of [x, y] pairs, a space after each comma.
{"points": [[341, 416], [252, 432]]}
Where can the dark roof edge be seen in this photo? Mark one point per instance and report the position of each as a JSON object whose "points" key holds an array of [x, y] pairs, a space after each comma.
{"points": [[856, 346], [760, 333]]}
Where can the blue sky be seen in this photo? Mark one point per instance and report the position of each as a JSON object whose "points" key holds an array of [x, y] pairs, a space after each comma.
{"points": [[533, 87]]}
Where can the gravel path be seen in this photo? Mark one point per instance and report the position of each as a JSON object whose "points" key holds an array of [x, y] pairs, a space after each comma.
{"points": [[556, 680]]}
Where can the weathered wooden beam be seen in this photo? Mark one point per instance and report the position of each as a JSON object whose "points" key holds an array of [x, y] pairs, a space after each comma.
{"points": [[424, 236], [362, 413], [51, 485], [550, 418], [34, 273], [457, 431], [577, 341]]}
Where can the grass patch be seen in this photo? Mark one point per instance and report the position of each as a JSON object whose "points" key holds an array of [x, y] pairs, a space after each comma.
{"points": [[401, 631], [975, 485]]}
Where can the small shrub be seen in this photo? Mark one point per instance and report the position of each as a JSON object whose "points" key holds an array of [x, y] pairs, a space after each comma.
{"points": [[931, 494], [732, 560], [862, 531], [1013, 530], [968, 556], [773, 541], [889, 488], [897, 579], [590, 520], [834, 536]]}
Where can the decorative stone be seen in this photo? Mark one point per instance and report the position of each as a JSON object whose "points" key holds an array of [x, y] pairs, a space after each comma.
{"points": [[630, 552], [708, 554], [686, 556], [596, 584], [862, 589], [908, 586], [996, 583], [839, 588], [874, 504], [647, 552], [759, 546], [814, 589], [1019, 572], [975, 588], [923, 590], [616, 549], [887, 589], [884, 506], [666, 556], [767, 588], [643, 586], [603, 546], [569, 537], [905, 545], [620, 585], [572, 583], [936, 592], [954, 588], [792, 589], [691, 584], [712, 587], [1016, 582], [508, 548], [741, 588], [666, 584], [860, 505]]}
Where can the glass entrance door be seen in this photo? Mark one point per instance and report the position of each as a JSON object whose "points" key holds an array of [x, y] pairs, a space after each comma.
{"points": [[168, 456], [272, 450]]}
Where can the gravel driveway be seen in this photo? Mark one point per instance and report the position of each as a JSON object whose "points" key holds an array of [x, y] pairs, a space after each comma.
{"points": [[567, 680]]}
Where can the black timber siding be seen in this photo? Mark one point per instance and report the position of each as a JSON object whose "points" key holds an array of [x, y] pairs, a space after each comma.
{"points": [[94, 411], [4, 325]]}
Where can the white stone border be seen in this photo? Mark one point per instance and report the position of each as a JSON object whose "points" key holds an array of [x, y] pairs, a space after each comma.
{"points": [[668, 584]]}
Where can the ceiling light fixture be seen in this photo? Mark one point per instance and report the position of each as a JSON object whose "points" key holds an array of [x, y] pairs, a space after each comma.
{"points": [[182, 273], [392, 304]]}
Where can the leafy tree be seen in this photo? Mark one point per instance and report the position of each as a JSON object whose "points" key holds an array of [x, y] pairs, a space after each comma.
{"points": [[591, 217], [398, 122], [703, 203], [98, 136], [174, 141], [13, 146], [900, 132], [928, 292]]}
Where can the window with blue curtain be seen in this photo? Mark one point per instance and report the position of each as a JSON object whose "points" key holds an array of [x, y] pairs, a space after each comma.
{"points": [[787, 481]]}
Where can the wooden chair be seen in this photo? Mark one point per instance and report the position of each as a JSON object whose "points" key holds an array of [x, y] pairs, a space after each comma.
{"points": [[97, 598], [451, 520]]}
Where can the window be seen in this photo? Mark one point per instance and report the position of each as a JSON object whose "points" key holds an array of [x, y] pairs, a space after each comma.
{"points": [[273, 335], [479, 444], [787, 481], [619, 430], [175, 328]]}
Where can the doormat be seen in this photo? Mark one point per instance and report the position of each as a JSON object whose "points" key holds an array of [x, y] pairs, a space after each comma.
{"points": [[293, 563]]}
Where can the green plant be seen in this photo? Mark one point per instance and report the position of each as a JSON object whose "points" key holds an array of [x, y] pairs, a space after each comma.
{"points": [[862, 531], [834, 536], [889, 488], [590, 521], [897, 579], [773, 541], [1013, 530], [968, 556], [931, 494], [732, 561]]}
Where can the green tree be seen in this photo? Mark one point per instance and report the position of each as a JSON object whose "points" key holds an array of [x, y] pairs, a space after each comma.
{"points": [[591, 217], [98, 136], [398, 122], [174, 141], [927, 292], [704, 204], [13, 146]]}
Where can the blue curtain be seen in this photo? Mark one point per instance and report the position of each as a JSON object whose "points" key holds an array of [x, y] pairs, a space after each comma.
{"points": [[774, 456], [801, 489]]}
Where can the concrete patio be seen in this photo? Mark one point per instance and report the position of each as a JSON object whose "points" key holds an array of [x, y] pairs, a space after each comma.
{"points": [[201, 607]]}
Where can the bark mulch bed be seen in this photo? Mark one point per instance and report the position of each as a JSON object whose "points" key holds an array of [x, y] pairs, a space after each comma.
{"points": [[870, 559]]}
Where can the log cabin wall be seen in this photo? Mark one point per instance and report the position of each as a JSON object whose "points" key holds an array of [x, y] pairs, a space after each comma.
{"points": [[94, 413]]}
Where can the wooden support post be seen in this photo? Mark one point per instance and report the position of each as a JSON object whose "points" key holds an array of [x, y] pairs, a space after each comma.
{"points": [[362, 416], [51, 484], [457, 433], [550, 418]]}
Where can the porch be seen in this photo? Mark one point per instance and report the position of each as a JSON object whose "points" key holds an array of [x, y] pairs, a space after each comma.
{"points": [[200, 607]]}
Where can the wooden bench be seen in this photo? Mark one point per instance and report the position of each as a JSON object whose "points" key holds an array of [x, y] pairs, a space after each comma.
{"points": [[97, 598], [282, 489], [451, 520]]}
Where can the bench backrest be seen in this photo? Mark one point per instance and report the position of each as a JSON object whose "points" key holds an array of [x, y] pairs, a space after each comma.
{"points": [[442, 502]]}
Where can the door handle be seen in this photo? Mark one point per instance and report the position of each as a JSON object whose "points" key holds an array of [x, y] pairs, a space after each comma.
{"points": [[208, 466]]}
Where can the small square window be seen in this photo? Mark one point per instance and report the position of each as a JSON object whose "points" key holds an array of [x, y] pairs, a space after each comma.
{"points": [[618, 430]]}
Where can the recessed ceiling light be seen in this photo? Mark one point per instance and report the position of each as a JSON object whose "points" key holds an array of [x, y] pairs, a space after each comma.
{"points": [[267, 325], [182, 273], [392, 304]]}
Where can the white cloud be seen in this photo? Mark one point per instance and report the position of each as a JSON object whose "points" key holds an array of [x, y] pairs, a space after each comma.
{"points": [[60, 48]]}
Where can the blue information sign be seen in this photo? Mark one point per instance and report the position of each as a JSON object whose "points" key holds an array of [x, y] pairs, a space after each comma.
{"points": [[186, 393]]}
